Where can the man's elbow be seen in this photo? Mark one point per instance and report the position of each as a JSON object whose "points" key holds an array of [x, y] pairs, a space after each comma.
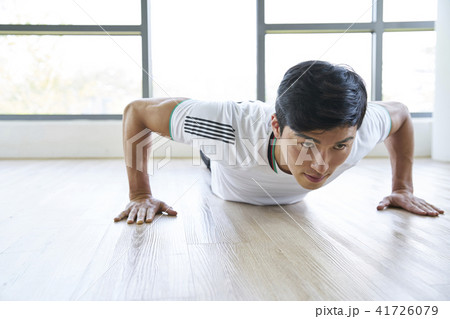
{"points": [[131, 108], [148, 113], [403, 110]]}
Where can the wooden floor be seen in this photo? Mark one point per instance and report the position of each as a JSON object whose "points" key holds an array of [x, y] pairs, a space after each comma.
{"points": [[58, 240]]}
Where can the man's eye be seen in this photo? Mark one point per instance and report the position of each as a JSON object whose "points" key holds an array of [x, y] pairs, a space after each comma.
{"points": [[307, 144], [340, 146]]}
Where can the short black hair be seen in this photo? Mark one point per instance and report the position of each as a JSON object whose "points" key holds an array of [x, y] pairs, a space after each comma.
{"points": [[317, 95]]}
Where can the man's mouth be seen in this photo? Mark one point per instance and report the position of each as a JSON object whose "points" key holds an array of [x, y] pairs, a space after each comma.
{"points": [[314, 179]]}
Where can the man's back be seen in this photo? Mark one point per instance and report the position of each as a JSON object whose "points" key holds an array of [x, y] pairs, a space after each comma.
{"points": [[238, 139]]}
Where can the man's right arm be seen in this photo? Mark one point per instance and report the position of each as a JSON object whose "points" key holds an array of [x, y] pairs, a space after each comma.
{"points": [[140, 119]]}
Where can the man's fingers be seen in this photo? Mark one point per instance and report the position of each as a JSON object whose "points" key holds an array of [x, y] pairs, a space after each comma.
{"points": [[416, 209], [122, 215], [132, 216], [151, 212], [420, 207], [410, 203], [167, 209], [141, 215], [384, 203], [439, 210], [429, 209], [433, 208], [145, 212], [411, 207]]}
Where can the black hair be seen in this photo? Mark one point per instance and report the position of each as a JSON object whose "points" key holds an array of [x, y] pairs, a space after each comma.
{"points": [[317, 95]]}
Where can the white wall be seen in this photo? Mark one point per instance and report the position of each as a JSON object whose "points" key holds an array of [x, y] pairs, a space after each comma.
{"points": [[441, 113], [50, 139], [100, 139]]}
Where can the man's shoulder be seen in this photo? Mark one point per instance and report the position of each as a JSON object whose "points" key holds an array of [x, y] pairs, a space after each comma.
{"points": [[220, 120], [376, 118], [254, 105], [374, 129], [252, 118], [226, 107], [246, 117]]}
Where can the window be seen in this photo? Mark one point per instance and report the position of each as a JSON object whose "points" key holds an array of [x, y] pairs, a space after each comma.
{"points": [[80, 58], [408, 69], [204, 49], [56, 59], [68, 74], [73, 12], [409, 10], [318, 11], [285, 50], [390, 43]]}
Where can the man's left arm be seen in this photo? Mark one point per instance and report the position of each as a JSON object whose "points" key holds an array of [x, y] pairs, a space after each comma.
{"points": [[400, 145]]}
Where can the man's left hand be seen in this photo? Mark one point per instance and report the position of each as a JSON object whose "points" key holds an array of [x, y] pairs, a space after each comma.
{"points": [[409, 202]]}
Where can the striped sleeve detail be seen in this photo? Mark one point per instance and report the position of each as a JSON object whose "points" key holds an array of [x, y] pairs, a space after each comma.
{"points": [[209, 129]]}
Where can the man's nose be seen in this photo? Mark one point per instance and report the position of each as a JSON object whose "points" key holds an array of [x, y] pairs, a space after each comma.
{"points": [[320, 163]]}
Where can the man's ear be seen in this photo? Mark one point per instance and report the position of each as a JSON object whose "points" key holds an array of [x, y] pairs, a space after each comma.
{"points": [[275, 126]]}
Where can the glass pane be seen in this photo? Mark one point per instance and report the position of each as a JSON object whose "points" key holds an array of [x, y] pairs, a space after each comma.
{"points": [[206, 50], [318, 11], [69, 74], [410, 10], [409, 69], [70, 12], [285, 50]]}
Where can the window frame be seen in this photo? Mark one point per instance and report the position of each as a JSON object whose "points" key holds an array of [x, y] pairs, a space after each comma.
{"points": [[377, 28], [142, 30]]}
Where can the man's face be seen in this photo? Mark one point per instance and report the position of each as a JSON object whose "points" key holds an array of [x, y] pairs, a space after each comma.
{"points": [[311, 157]]}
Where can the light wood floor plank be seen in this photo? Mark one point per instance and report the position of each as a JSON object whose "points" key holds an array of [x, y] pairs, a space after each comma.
{"points": [[150, 262], [58, 241]]}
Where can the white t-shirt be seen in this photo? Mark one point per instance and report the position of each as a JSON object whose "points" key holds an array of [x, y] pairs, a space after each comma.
{"points": [[236, 136]]}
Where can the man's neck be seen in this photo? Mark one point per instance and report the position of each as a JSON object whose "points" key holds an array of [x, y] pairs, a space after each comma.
{"points": [[278, 159]]}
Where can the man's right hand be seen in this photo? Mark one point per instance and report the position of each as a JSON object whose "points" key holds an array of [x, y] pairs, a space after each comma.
{"points": [[144, 208]]}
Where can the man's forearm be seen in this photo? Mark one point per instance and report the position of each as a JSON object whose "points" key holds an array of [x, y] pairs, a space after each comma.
{"points": [[134, 131], [401, 152]]}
